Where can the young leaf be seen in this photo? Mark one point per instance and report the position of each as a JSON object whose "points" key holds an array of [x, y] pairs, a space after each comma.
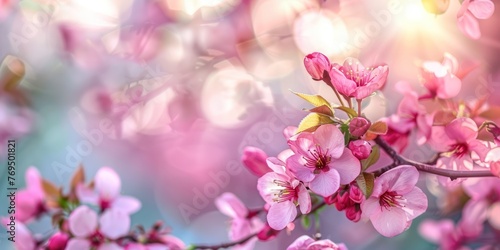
{"points": [[378, 128], [366, 182], [372, 159], [315, 100], [312, 121], [492, 113], [349, 111], [323, 109], [306, 221], [50, 190], [78, 178]]}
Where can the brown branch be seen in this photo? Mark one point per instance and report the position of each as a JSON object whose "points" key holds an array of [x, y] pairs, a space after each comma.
{"points": [[400, 160]]}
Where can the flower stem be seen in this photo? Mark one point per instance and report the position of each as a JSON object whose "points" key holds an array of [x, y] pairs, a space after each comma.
{"points": [[400, 160], [338, 97], [359, 106]]}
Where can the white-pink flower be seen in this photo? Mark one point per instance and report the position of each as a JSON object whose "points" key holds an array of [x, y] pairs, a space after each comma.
{"points": [[283, 193], [322, 160], [305, 242], [106, 193], [90, 230], [440, 78], [470, 10], [244, 222], [395, 201]]}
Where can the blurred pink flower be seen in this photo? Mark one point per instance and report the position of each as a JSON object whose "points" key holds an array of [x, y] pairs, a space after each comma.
{"points": [[361, 149], [395, 201], [469, 11], [106, 193], [354, 80], [322, 160], [255, 160], [283, 193], [440, 79], [15, 121], [91, 231], [484, 205], [30, 201], [396, 135], [5, 8], [493, 158], [317, 65], [305, 242], [244, 222], [460, 141], [444, 233]]}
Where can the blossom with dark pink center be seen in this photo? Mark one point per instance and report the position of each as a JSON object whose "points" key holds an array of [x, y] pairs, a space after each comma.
{"points": [[444, 233], [470, 10], [91, 231], [352, 79], [106, 193], [395, 201], [283, 193], [243, 221], [305, 242], [322, 160]]}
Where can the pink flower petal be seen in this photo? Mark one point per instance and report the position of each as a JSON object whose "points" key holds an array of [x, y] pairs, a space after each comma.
{"points": [[301, 172], [231, 206], [462, 130], [280, 214], [78, 244], [494, 215], [114, 223], [126, 204], [276, 165], [301, 243], [34, 183], [343, 85], [401, 179], [434, 231], [370, 207], [390, 222], [267, 187], [347, 166], [450, 87], [255, 160], [24, 240], [450, 62], [463, 8], [82, 221], [379, 77], [87, 195], [330, 139], [416, 203], [474, 215], [325, 183], [304, 200], [469, 25], [482, 9], [107, 183]]}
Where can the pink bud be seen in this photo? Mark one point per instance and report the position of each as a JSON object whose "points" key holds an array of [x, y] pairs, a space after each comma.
{"points": [[267, 233], [343, 201], [331, 199], [360, 148], [255, 160], [358, 126], [58, 241], [352, 213], [355, 194], [316, 64]]}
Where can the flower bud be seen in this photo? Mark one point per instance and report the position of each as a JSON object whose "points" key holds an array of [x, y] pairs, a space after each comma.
{"points": [[255, 160], [361, 149], [316, 64], [267, 233], [355, 194], [58, 241], [352, 213], [358, 126], [343, 201]]}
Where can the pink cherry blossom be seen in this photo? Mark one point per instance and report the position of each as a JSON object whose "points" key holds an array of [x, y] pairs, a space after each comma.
{"points": [[283, 193], [90, 230], [243, 221], [322, 160], [354, 80], [483, 206], [395, 201], [444, 233], [361, 149], [30, 201], [460, 142], [305, 242], [106, 193], [255, 160], [440, 79], [469, 11], [317, 65]]}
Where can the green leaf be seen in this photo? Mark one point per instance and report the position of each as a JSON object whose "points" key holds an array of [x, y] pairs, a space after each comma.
{"points": [[344, 128], [306, 221], [372, 159], [349, 111], [312, 121], [315, 100], [366, 182], [323, 109]]}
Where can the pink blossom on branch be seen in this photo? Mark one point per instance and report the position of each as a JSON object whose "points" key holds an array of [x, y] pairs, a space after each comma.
{"points": [[352, 79], [255, 160], [395, 201], [322, 160], [441, 79]]}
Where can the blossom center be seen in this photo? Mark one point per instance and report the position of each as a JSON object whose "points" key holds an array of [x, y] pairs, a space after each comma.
{"points": [[459, 149], [391, 199], [319, 159], [96, 239], [284, 191], [360, 77]]}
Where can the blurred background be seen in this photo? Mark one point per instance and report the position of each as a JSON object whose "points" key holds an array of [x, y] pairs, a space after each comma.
{"points": [[169, 92]]}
